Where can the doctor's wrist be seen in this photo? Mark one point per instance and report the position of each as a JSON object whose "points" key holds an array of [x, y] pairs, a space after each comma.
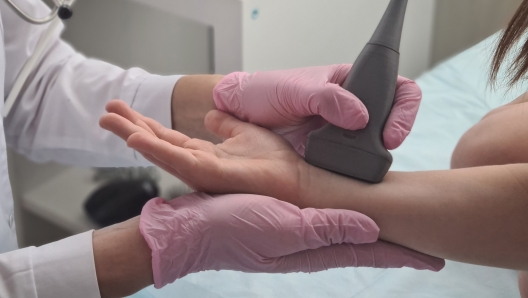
{"points": [[123, 259], [192, 99]]}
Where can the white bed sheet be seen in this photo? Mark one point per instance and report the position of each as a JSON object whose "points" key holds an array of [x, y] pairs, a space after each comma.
{"points": [[456, 96]]}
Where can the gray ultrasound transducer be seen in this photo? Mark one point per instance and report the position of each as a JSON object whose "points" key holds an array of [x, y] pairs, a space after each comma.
{"points": [[361, 154]]}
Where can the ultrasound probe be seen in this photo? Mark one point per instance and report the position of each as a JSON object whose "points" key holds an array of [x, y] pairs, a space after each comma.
{"points": [[361, 154]]}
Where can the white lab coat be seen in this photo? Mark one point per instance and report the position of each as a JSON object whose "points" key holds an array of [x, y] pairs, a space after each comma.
{"points": [[56, 118]]}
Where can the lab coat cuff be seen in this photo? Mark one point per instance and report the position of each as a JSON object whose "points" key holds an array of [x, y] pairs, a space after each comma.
{"points": [[153, 98], [66, 268]]}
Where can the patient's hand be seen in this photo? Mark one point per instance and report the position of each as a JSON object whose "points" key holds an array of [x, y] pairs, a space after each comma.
{"points": [[251, 160]]}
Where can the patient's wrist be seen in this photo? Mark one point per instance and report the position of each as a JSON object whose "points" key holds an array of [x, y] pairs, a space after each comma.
{"points": [[325, 189], [322, 188]]}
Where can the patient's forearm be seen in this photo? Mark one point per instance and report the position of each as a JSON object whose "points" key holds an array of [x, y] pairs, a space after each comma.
{"points": [[477, 215], [192, 99]]}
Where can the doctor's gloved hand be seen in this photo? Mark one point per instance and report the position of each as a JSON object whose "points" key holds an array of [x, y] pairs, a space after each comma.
{"points": [[249, 233], [295, 102]]}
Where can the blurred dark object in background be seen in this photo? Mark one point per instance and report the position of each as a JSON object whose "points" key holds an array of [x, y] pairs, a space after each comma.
{"points": [[123, 194], [119, 200]]}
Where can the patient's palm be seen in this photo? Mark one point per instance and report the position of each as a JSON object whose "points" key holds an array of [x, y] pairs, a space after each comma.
{"points": [[251, 160]]}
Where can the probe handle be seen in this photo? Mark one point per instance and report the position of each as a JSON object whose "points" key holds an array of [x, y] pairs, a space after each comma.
{"points": [[373, 81], [362, 154]]}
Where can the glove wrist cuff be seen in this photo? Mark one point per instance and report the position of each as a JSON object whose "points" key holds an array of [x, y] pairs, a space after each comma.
{"points": [[166, 267], [227, 94]]}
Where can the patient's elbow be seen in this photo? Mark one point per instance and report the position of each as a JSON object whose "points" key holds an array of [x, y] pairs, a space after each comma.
{"points": [[478, 147], [496, 140], [457, 159], [467, 153]]}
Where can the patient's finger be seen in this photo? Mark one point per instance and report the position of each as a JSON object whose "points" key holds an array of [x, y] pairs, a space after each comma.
{"points": [[120, 126], [169, 170], [121, 108], [169, 135], [144, 125], [374, 255], [178, 158], [224, 125], [161, 164]]}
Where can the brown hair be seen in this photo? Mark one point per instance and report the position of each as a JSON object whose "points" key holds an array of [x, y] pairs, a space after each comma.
{"points": [[518, 68]]}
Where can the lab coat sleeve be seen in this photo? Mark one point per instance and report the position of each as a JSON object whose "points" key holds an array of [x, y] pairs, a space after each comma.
{"points": [[61, 269], [56, 115]]}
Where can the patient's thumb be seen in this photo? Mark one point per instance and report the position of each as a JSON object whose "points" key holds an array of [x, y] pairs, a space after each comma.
{"points": [[224, 125]]}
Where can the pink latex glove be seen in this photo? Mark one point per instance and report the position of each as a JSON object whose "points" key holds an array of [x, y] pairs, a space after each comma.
{"points": [[252, 233], [286, 102]]}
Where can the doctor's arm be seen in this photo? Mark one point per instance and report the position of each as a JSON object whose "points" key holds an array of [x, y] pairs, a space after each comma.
{"points": [[198, 233], [55, 117], [247, 233]]}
